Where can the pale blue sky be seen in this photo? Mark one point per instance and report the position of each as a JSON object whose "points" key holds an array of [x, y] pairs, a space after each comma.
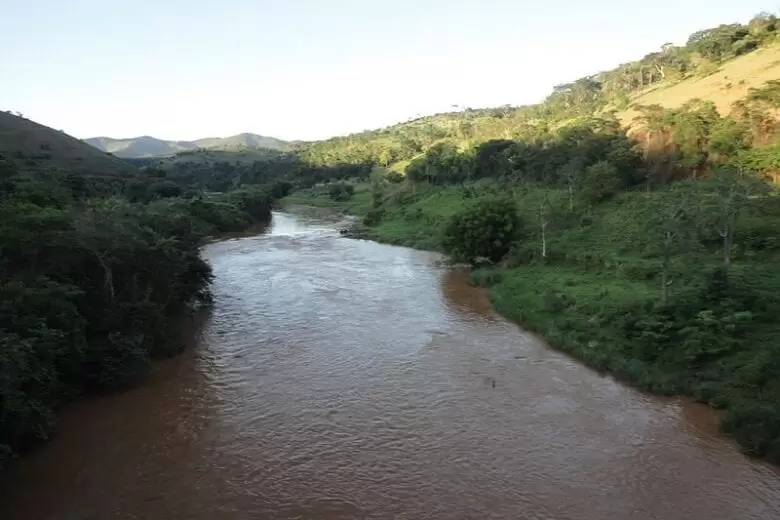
{"points": [[307, 69]]}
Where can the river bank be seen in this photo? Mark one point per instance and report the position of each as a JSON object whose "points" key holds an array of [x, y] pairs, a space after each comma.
{"points": [[595, 298]]}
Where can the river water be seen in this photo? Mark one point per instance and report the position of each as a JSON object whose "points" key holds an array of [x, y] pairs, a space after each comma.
{"points": [[344, 379]]}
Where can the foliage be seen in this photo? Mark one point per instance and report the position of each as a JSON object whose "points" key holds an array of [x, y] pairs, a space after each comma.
{"points": [[460, 146], [599, 183], [485, 230], [705, 344], [341, 192], [91, 288]]}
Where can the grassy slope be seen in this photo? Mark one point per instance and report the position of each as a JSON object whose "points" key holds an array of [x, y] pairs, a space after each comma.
{"points": [[359, 204], [729, 84], [34, 147]]}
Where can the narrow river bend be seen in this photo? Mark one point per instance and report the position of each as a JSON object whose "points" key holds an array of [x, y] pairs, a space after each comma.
{"points": [[344, 379]]}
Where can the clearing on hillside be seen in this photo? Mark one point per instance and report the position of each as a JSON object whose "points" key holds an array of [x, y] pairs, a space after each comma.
{"points": [[729, 84]]}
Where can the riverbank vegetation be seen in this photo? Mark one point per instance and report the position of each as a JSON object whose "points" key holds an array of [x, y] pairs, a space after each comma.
{"points": [[638, 285], [635, 230], [641, 239], [96, 273]]}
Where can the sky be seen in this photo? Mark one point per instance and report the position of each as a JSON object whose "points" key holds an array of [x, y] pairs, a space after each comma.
{"points": [[312, 69]]}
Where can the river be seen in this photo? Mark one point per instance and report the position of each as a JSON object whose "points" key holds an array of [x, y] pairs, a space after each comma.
{"points": [[344, 379]]}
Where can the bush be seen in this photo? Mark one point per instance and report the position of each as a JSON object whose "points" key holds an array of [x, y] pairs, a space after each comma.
{"points": [[485, 230], [485, 277], [394, 177], [341, 192], [602, 181], [373, 217], [280, 189]]}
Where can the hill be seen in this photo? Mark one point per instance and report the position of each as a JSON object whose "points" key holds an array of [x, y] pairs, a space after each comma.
{"points": [[136, 147], [726, 71], [729, 84], [147, 146], [221, 170], [34, 147], [242, 142]]}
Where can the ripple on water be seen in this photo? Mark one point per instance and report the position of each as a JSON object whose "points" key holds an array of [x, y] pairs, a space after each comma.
{"points": [[342, 379]]}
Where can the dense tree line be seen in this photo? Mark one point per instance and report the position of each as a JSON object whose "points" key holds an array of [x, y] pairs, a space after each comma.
{"points": [[215, 172], [93, 279], [394, 146]]}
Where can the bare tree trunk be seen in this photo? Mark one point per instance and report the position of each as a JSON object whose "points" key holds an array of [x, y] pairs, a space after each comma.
{"points": [[665, 281], [727, 234], [109, 275], [543, 224], [664, 286]]}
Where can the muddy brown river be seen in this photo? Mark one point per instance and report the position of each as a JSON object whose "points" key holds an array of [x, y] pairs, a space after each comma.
{"points": [[344, 379]]}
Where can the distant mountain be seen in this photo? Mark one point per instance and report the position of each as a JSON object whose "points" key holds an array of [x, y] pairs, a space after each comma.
{"points": [[34, 147], [147, 146], [242, 141]]}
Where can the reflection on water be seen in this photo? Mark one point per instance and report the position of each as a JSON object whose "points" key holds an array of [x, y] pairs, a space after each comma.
{"points": [[343, 379]]}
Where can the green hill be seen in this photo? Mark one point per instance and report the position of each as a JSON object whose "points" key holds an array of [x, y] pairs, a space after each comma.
{"points": [[730, 66], [33, 147]]}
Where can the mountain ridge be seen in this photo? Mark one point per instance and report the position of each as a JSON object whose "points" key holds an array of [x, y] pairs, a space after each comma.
{"points": [[147, 146]]}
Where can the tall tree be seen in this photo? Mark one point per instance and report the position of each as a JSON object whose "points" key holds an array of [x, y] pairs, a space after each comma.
{"points": [[726, 195], [672, 223]]}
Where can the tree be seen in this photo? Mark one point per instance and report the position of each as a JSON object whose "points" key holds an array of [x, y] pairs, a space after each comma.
{"points": [[672, 222], [726, 194], [692, 125], [341, 192], [600, 182], [727, 138], [545, 212], [485, 230], [7, 173], [572, 173], [164, 189]]}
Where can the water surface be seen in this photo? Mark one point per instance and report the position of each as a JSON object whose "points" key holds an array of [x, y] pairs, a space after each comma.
{"points": [[344, 379]]}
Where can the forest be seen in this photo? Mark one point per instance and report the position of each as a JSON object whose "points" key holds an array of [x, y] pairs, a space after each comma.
{"points": [[96, 276], [641, 239]]}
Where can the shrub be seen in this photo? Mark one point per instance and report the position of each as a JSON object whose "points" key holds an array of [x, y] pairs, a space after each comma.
{"points": [[341, 192], [485, 230], [373, 217], [601, 182]]}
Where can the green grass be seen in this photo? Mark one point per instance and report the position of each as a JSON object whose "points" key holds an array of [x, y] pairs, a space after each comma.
{"points": [[319, 197], [576, 311], [585, 314]]}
